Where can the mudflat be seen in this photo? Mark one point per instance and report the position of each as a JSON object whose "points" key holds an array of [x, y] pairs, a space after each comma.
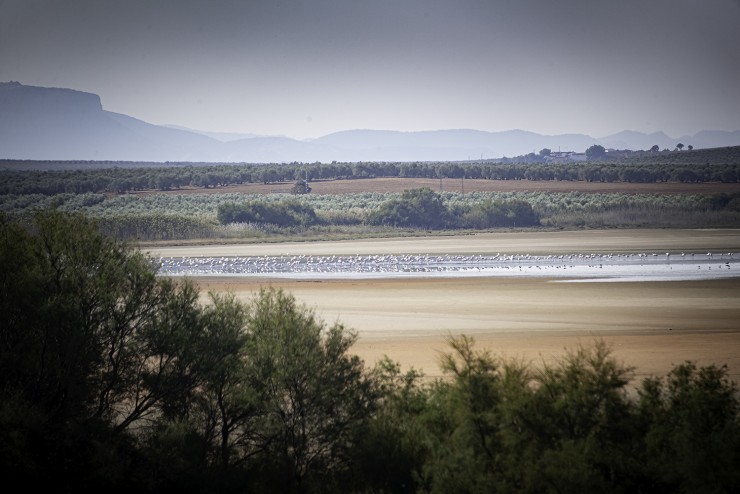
{"points": [[651, 326]]}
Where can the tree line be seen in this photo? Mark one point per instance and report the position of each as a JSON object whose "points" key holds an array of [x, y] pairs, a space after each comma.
{"points": [[113, 378], [719, 165]]}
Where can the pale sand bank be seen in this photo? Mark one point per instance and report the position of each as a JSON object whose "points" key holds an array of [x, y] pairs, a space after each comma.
{"points": [[530, 242], [651, 325]]}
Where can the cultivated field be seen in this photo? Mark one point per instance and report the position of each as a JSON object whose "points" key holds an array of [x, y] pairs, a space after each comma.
{"points": [[651, 325]]}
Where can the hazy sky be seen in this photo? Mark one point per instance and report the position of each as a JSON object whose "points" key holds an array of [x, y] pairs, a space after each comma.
{"points": [[312, 67]]}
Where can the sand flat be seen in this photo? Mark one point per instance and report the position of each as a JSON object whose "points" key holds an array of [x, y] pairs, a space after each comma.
{"points": [[525, 242], [650, 325]]}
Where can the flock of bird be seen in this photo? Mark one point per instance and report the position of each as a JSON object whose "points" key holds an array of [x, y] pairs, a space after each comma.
{"points": [[427, 263]]}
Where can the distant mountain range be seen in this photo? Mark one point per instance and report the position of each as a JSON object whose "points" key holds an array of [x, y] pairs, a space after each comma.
{"points": [[63, 124]]}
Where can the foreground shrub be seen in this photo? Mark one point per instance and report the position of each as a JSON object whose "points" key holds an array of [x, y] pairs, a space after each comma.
{"points": [[93, 344], [692, 429], [113, 378], [498, 425]]}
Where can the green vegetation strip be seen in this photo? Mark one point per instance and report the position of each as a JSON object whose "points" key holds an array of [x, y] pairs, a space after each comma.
{"points": [[260, 217]]}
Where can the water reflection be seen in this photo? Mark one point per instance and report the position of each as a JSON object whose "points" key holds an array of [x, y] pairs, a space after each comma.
{"points": [[611, 267]]}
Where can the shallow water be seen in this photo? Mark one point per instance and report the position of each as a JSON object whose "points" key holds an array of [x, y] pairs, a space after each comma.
{"points": [[574, 267]]}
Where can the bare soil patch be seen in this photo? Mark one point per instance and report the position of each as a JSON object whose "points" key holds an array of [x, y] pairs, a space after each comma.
{"points": [[393, 184]]}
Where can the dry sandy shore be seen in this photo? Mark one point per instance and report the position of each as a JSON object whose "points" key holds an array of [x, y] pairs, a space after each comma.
{"points": [[650, 325], [529, 242]]}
